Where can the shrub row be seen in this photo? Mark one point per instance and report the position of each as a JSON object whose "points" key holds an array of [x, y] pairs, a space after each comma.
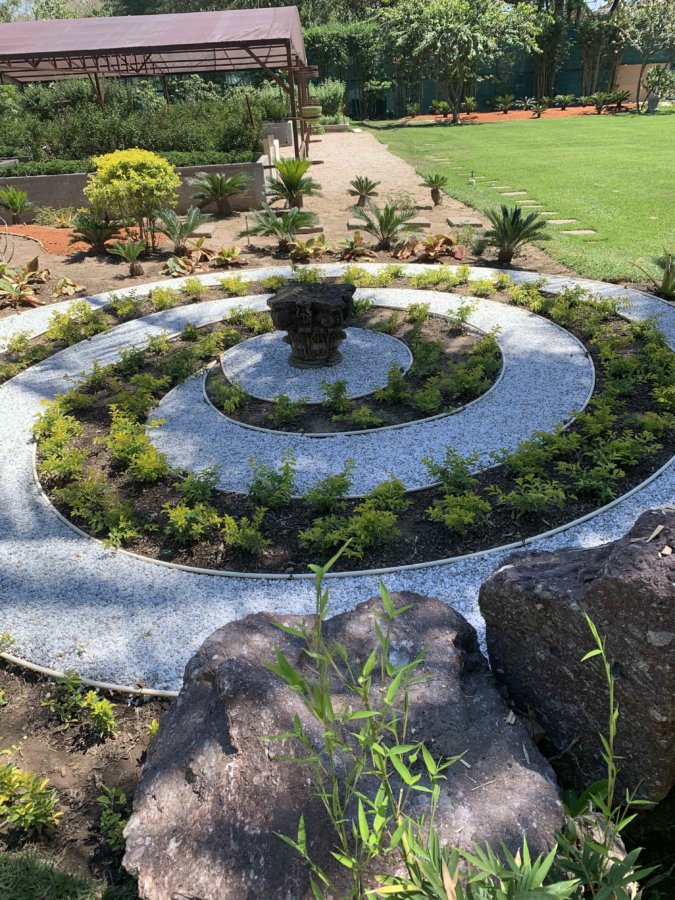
{"points": [[75, 166]]}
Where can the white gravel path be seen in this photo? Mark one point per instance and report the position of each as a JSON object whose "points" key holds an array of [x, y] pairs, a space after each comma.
{"points": [[534, 350], [260, 365], [71, 603]]}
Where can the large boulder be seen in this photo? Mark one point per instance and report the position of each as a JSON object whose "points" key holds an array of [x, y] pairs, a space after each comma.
{"points": [[534, 608], [213, 792]]}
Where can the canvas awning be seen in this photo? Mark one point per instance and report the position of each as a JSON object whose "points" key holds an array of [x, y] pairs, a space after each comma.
{"points": [[133, 46]]}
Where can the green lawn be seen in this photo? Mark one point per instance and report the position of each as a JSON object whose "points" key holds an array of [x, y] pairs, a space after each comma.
{"points": [[613, 174]]}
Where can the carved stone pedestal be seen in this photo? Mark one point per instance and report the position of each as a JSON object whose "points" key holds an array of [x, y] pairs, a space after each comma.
{"points": [[313, 317]]}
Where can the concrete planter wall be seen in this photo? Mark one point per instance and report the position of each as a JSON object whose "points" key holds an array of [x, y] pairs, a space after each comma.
{"points": [[281, 131], [67, 190]]}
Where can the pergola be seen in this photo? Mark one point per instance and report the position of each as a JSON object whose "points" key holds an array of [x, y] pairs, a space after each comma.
{"points": [[178, 44]]}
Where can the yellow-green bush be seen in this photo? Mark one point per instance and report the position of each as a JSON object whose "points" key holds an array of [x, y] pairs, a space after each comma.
{"points": [[130, 185]]}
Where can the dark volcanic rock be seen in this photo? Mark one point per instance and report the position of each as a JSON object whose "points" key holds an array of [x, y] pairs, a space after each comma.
{"points": [[213, 792], [534, 609]]}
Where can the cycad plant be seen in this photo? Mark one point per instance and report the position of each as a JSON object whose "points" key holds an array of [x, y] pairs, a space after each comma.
{"points": [[130, 251], [600, 99], [291, 182], [564, 100], [214, 187], [90, 228], [388, 224], [435, 182], [665, 287], [15, 201], [180, 230], [266, 223], [511, 230], [504, 103], [363, 188]]}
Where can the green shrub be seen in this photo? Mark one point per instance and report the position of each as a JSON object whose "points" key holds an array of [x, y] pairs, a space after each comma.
{"points": [[140, 395], [454, 473], [158, 344], [190, 523], [198, 487], [336, 397], [180, 365], [229, 397], [426, 356], [66, 704], [389, 496], [388, 325], [532, 494], [270, 487], [273, 282], [396, 390], [126, 306], [459, 512], [78, 322], [164, 298], [25, 800], [193, 288], [114, 816], [429, 399], [234, 286], [363, 417], [244, 534], [418, 313], [326, 495], [287, 411], [101, 714], [484, 287]]}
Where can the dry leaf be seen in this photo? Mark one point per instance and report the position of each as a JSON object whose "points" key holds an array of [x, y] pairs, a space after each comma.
{"points": [[657, 531]]}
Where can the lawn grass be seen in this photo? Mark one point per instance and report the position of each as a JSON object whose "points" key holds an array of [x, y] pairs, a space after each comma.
{"points": [[29, 875], [614, 174]]}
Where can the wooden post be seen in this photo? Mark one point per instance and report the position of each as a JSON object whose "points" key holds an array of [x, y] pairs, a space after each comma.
{"points": [[294, 106]]}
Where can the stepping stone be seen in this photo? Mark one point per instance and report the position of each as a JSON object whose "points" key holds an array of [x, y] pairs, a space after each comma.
{"points": [[417, 222], [531, 206], [459, 220], [548, 212], [205, 230], [514, 193], [503, 187], [311, 229], [561, 221], [580, 231]]}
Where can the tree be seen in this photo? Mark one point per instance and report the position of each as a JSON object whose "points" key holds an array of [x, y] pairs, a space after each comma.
{"points": [[649, 27], [454, 40]]}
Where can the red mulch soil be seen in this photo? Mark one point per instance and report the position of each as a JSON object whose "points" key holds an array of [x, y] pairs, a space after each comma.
{"points": [[514, 114], [55, 240]]}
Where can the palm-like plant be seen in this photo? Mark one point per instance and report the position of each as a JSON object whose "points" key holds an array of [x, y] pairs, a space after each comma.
{"points": [[363, 188], [511, 230], [180, 230], [130, 250], [504, 102], [284, 228], [435, 182], [15, 201], [388, 224], [291, 183], [214, 187], [564, 100], [90, 228], [600, 99]]}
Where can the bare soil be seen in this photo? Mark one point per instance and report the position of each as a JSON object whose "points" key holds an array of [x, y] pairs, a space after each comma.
{"points": [[77, 765]]}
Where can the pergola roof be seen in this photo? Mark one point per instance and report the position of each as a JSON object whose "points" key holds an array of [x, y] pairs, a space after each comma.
{"points": [[127, 46]]}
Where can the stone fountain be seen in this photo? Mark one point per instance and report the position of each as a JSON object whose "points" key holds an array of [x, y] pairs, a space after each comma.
{"points": [[314, 317]]}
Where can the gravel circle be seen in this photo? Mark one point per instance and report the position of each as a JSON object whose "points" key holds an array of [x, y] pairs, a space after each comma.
{"points": [[260, 365], [195, 435], [72, 603]]}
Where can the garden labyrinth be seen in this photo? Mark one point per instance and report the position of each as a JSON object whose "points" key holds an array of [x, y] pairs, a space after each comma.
{"points": [[71, 602]]}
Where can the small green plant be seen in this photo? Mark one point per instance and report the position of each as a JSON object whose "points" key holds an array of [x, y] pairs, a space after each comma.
{"points": [[511, 230], [79, 322], [428, 399], [91, 228], [666, 286], [417, 313], [396, 389], [159, 344], [459, 512], [188, 523], [564, 100], [152, 730], [327, 495], [270, 487], [600, 100], [273, 282], [336, 397], [180, 365], [286, 411], [504, 102], [389, 225], [459, 317], [362, 305], [256, 322], [217, 188], [245, 534], [354, 247], [435, 182], [228, 258], [306, 275], [66, 704], [130, 251], [284, 228], [15, 201], [538, 105], [363, 417], [531, 494], [101, 714], [25, 800], [193, 288], [363, 188], [164, 298], [291, 182], [484, 287], [127, 305], [304, 251], [427, 355], [389, 325], [234, 286], [114, 816], [229, 397], [198, 487], [180, 229]]}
